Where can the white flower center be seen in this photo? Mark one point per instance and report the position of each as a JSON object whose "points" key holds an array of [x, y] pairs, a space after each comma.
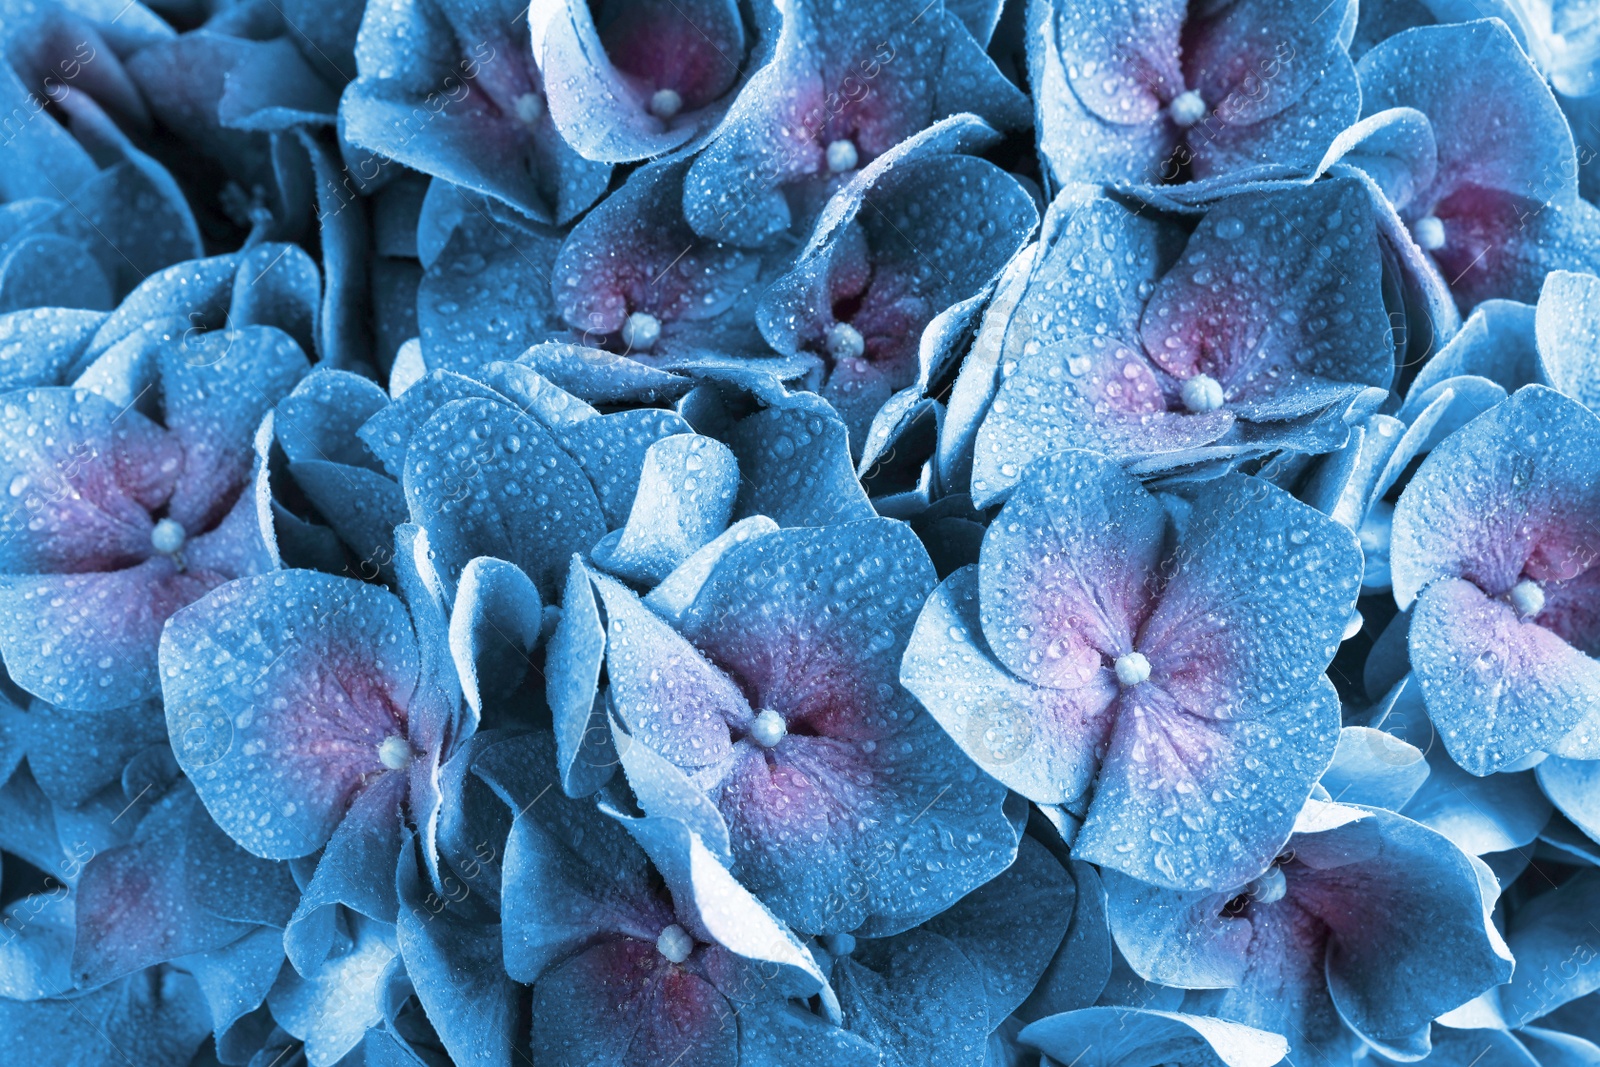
{"points": [[665, 104], [530, 108], [168, 536], [1132, 669], [1527, 598], [842, 156], [1187, 108], [675, 943], [1429, 232], [394, 753], [1202, 393], [845, 341], [768, 728], [1270, 887], [641, 332]]}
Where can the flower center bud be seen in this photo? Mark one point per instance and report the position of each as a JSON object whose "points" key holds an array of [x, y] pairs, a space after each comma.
{"points": [[675, 943], [842, 156], [1270, 887], [768, 728], [168, 536], [1429, 232], [530, 108], [1528, 598], [1202, 393], [665, 104], [845, 341], [394, 753], [1187, 108], [1132, 669], [641, 332], [839, 944]]}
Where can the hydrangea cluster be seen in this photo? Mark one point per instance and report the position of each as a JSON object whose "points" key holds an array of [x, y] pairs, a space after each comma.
{"points": [[799, 533]]}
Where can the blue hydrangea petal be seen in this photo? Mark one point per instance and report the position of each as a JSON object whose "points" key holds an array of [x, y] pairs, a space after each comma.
{"points": [[1569, 304], [1140, 1037], [134, 908], [1037, 740], [795, 468], [677, 591], [319, 420], [1497, 342], [612, 450], [389, 431], [685, 496], [235, 980], [1375, 768], [780, 1034], [1542, 936], [156, 1019], [665, 691], [43, 269], [487, 481], [456, 968], [331, 1010], [601, 102], [319, 671], [1078, 973], [1011, 927], [488, 294], [493, 627], [663, 789], [601, 377], [356, 869], [232, 884], [76, 753], [715, 907], [1574, 787], [1071, 567], [584, 753], [916, 997], [39, 345]]}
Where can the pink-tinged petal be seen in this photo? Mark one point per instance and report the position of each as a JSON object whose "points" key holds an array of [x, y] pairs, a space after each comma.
{"points": [[1512, 494], [1044, 743], [1121, 56], [1499, 687], [1255, 603], [812, 624], [286, 694], [670, 698], [90, 640], [79, 477], [134, 905], [1254, 59], [1193, 803], [1276, 291], [621, 1001], [1069, 570]]}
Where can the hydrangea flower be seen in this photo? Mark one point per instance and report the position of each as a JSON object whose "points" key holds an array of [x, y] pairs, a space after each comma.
{"points": [[1264, 330], [1494, 543], [112, 520], [1366, 927], [842, 88], [769, 718], [1162, 680], [1494, 203], [1170, 91]]}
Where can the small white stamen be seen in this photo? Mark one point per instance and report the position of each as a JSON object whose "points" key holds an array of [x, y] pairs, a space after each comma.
{"points": [[1132, 669], [1270, 887], [168, 537], [394, 753], [1202, 393], [842, 156], [665, 104], [1187, 108], [845, 341], [675, 943], [768, 728], [1429, 232], [839, 944], [1527, 598], [641, 332], [530, 108]]}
